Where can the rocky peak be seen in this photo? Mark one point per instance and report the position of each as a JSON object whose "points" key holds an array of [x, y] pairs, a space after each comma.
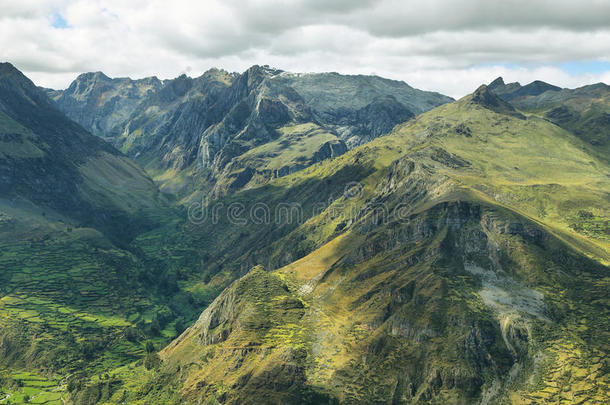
{"points": [[536, 88], [505, 91], [499, 82], [256, 74], [220, 75], [93, 76], [151, 80], [484, 97], [253, 77], [88, 82], [488, 99], [180, 85]]}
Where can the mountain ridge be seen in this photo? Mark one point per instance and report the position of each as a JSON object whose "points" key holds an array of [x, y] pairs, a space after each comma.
{"points": [[450, 301], [51, 160], [460, 258], [185, 123], [585, 110]]}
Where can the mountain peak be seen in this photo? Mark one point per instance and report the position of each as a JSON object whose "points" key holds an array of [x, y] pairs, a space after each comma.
{"points": [[484, 97], [13, 80], [93, 76], [264, 70], [499, 82], [536, 88], [6, 67], [10, 72]]}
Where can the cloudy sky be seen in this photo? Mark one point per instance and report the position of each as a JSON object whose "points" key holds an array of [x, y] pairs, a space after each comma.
{"points": [[443, 45]]}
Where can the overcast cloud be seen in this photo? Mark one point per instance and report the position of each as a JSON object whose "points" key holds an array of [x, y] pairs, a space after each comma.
{"points": [[442, 45]]}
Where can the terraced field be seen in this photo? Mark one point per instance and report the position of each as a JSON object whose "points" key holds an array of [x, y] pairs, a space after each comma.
{"points": [[26, 387], [71, 302]]}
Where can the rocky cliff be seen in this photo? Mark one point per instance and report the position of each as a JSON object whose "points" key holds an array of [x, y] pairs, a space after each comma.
{"points": [[197, 130]]}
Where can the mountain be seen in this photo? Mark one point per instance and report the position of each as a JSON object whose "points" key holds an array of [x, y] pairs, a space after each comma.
{"points": [[585, 111], [51, 162], [75, 297], [100, 103], [514, 91], [225, 131], [463, 258]]}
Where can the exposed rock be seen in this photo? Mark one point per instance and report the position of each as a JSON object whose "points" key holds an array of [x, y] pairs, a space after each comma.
{"points": [[207, 122], [487, 99]]}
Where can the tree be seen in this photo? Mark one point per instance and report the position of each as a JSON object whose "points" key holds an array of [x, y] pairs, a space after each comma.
{"points": [[152, 361], [179, 325], [155, 327]]}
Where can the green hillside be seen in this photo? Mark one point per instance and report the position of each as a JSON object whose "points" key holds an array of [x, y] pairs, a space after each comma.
{"points": [[473, 266], [584, 111], [461, 258], [75, 298]]}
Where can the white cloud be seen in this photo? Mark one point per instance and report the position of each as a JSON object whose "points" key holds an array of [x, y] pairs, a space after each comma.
{"points": [[442, 45]]}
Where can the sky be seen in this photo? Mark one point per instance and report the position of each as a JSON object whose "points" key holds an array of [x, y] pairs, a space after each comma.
{"points": [[449, 46]]}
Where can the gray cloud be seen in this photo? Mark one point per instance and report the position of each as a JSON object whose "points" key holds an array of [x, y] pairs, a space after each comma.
{"points": [[429, 44], [399, 18]]}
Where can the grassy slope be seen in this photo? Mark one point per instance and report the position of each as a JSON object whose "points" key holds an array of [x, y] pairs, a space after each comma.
{"points": [[296, 144], [16, 141], [584, 111], [75, 298], [537, 169], [73, 305], [537, 193]]}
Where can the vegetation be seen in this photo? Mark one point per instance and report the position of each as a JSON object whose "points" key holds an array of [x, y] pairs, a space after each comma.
{"points": [[470, 265], [479, 291]]}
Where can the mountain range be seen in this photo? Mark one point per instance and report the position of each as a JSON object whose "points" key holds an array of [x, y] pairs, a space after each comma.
{"points": [[225, 131], [271, 237]]}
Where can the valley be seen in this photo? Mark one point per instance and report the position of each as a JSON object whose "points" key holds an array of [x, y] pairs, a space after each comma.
{"points": [[446, 251]]}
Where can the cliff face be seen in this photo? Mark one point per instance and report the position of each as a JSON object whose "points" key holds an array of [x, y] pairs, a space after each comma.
{"points": [[200, 127], [102, 104]]}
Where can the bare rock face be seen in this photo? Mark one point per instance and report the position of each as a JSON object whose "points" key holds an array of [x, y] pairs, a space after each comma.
{"points": [[204, 124], [487, 99]]}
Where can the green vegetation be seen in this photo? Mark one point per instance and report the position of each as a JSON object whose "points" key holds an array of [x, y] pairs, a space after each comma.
{"points": [[471, 265], [30, 388], [486, 289], [76, 299], [296, 146]]}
